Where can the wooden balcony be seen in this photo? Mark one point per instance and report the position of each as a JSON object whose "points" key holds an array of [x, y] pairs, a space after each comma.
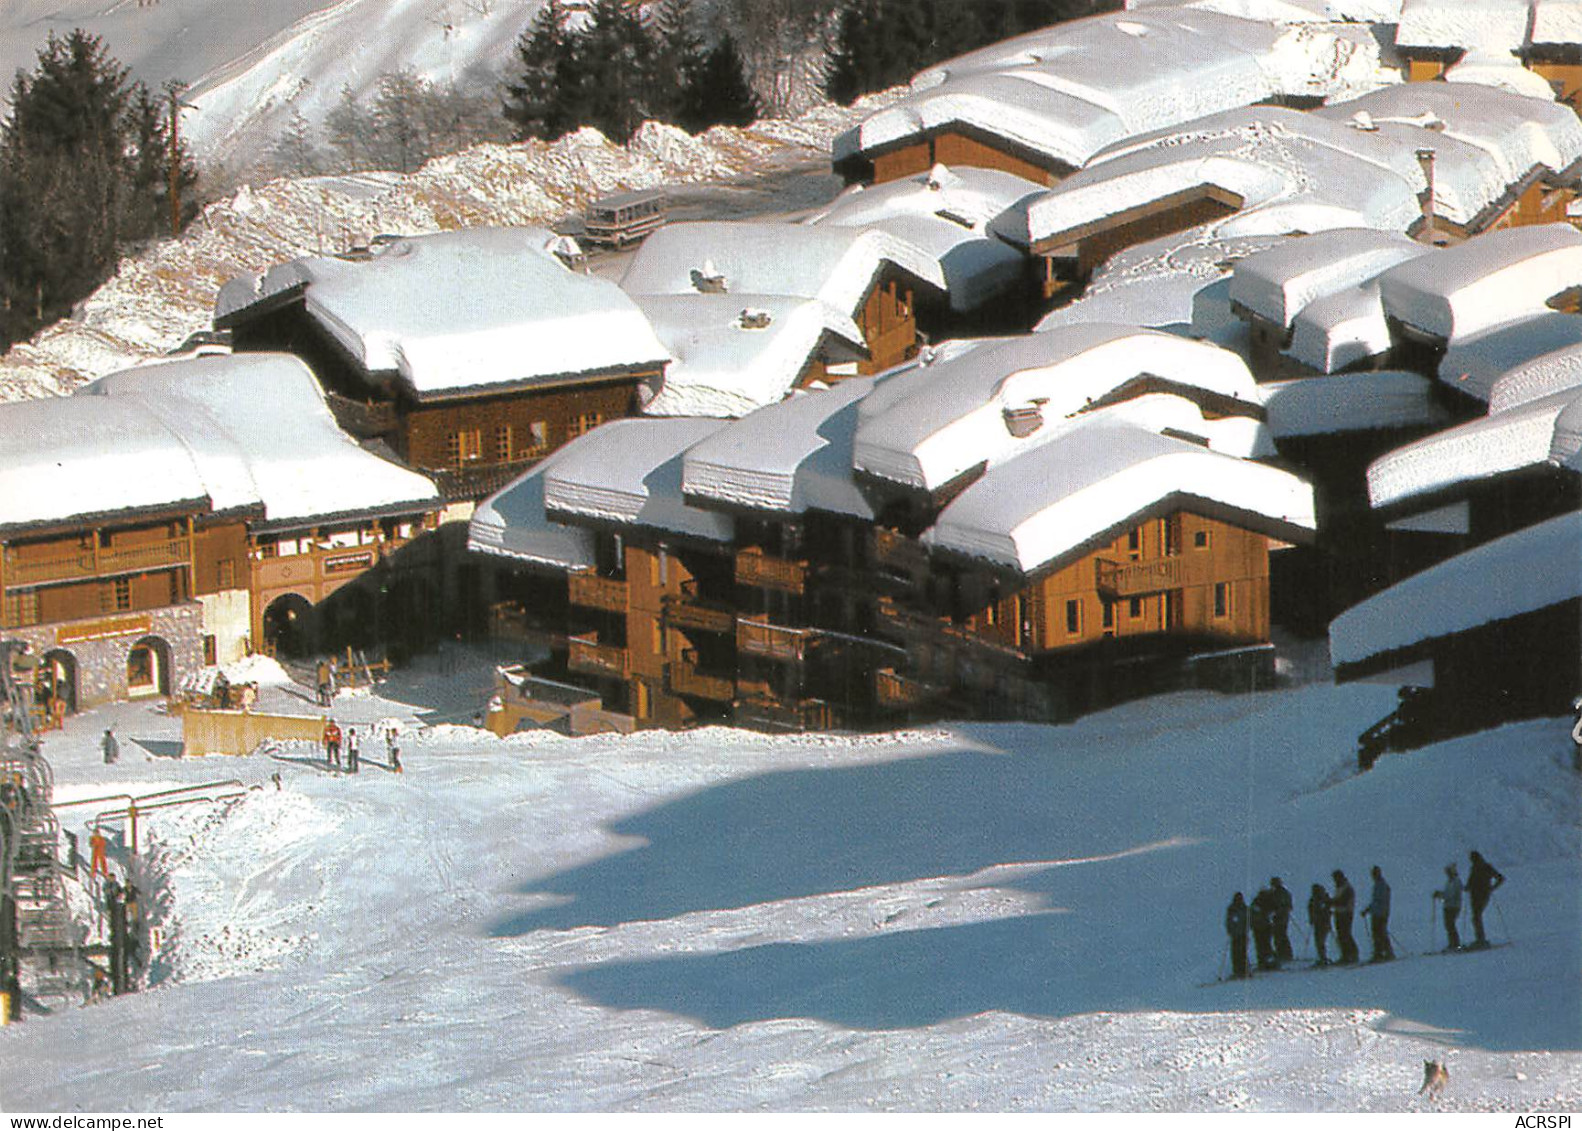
{"points": [[594, 592], [773, 641], [896, 553], [686, 610], [774, 714], [896, 691], [95, 561], [909, 626], [589, 656], [1133, 579], [685, 679], [761, 571], [509, 621]]}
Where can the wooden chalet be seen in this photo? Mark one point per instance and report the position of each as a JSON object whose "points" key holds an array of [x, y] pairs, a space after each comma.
{"points": [[469, 354]]}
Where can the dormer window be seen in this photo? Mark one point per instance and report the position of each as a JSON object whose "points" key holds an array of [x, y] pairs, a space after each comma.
{"points": [[1023, 420]]}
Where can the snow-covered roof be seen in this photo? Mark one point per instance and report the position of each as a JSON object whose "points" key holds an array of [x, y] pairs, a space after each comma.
{"points": [[293, 459], [1467, 591], [628, 473], [1551, 372], [1340, 329], [1479, 449], [1474, 364], [63, 458], [1277, 284], [1065, 92], [1498, 277], [1351, 164], [512, 523], [945, 212], [790, 457], [458, 312], [836, 265], [1499, 68], [734, 353], [1351, 402], [1463, 23], [1045, 506], [959, 412], [1556, 21]]}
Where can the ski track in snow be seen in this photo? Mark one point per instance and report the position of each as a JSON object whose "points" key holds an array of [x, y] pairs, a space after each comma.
{"points": [[972, 917]]}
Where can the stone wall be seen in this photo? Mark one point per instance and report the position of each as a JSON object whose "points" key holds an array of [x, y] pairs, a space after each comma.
{"points": [[100, 646]]}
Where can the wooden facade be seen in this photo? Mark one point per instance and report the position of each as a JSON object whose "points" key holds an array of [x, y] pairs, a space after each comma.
{"points": [[959, 145]]}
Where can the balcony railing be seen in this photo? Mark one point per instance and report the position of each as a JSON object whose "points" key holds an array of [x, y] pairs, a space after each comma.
{"points": [[892, 689], [594, 592], [685, 679], [589, 656], [898, 554], [1132, 579], [688, 611], [772, 714], [761, 571], [773, 641], [79, 564], [908, 626]]}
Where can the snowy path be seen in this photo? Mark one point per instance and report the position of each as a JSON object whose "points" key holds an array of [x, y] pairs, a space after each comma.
{"points": [[998, 917]]}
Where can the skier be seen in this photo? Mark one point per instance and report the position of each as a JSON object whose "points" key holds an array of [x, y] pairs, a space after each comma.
{"points": [[1451, 894], [1378, 915], [1262, 932], [351, 750], [1482, 882], [108, 744], [1281, 919], [1236, 928], [98, 851], [1342, 906], [1318, 919], [332, 743]]}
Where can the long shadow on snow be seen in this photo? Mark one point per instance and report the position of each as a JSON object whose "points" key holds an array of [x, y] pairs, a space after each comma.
{"points": [[1084, 955], [808, 832]]}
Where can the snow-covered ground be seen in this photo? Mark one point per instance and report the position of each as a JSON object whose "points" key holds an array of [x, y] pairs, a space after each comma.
{"points": [[978, 916]]}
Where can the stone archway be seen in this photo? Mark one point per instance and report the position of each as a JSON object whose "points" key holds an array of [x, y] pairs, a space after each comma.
{"points": [[148, 667], [290, 627], [56, 681]]}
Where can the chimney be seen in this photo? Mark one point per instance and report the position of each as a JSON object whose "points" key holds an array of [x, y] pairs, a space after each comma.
{"points": [[1425, 158]]}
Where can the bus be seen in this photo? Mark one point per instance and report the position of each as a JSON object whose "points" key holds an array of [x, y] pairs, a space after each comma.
{"points": [[616, 221]]}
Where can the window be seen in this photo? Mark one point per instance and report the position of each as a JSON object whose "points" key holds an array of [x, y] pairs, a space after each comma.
{"points": [[1073, 618], [22, 609], [463, 447], [211, 651], [1170, 535], [115, 595], [1134, 543], [1200, 539], [1134, 608], [537, 438], [585, 422], [504, 451], [1222, 598], [1108, 617], [227, 574]]}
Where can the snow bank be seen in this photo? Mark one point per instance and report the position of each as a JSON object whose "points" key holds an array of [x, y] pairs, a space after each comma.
{"points": [[1463, 23]]}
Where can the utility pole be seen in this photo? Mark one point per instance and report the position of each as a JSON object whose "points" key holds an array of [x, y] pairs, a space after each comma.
{"points": [[174, 89]]}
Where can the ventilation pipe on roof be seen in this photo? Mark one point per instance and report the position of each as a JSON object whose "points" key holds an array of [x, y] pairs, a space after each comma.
{"points": [[1425, 158], [708, 280]]}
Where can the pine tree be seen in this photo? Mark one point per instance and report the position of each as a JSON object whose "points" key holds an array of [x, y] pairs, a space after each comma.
{"points": [[84, 168], [294, 154], [619, 80], [349, 132], [400, 141], [718, 94], [544, 100]]}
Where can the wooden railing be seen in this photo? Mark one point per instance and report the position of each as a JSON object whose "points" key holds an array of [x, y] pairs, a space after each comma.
{"points": [[95, 562], [773, 641], [594, 592], [687, 610], [685, 679], [588, 655], [908, 626], [898, 553], [761, 571], [772, 714], [1132, 579], [892, 689]]}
